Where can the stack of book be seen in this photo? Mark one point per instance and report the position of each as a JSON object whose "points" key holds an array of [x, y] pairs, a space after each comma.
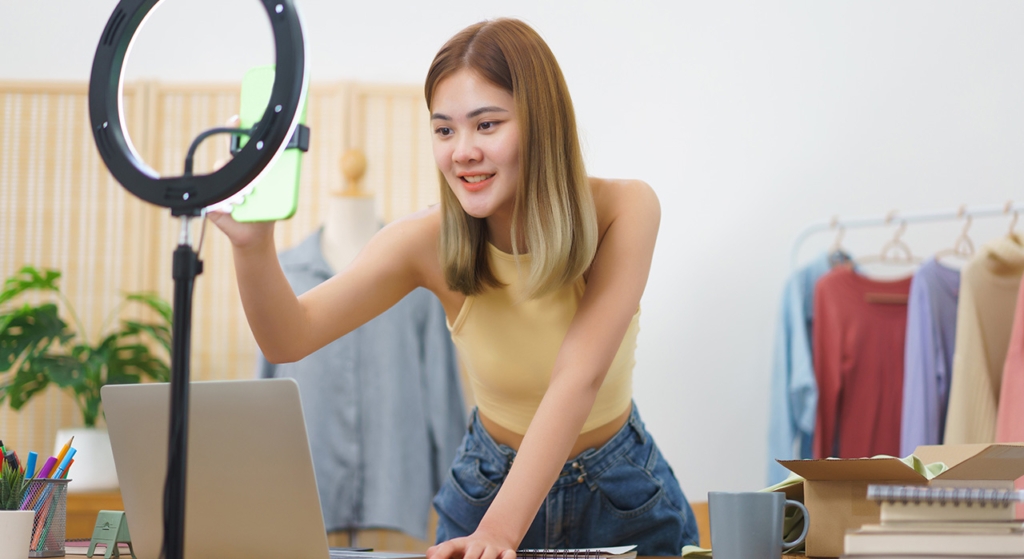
{"points": [[940, 522]]}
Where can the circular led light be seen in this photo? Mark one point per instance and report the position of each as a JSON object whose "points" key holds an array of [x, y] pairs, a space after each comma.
{"points": [[188, 194]]}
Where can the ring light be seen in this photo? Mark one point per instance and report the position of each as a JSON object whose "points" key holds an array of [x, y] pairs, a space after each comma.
{"points": [[189, 194]]}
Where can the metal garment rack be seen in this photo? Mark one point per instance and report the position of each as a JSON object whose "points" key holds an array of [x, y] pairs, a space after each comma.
{"points": [[896, 217]]}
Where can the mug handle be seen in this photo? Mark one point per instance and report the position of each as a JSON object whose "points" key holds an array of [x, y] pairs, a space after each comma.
{"points": [[786, 546]]}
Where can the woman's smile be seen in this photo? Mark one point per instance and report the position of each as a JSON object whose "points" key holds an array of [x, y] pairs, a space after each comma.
{"points": [[476, 144], [476, 183]]}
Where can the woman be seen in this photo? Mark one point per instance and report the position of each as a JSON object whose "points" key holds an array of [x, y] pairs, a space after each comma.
{"points": [[540, 270]]}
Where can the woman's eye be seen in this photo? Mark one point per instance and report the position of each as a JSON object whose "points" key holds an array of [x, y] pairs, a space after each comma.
{"points": [[443, 131], [487, 125]]}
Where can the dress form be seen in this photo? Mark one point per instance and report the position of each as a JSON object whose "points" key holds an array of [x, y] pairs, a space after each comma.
{"points": [[351, 217]]}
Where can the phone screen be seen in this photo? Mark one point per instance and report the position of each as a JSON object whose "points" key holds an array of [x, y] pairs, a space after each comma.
{"points": [[275, 195]]}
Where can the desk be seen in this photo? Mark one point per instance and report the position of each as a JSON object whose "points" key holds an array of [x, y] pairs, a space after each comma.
{"points": [[83, 508], [700, 513]]}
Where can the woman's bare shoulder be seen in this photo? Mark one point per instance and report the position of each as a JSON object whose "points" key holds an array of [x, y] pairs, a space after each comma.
{"points": [[417, 229], [414, 238], [614, 198]]}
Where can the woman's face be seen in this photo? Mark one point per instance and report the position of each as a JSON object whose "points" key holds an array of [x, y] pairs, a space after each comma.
{"points": [[476, 143]]}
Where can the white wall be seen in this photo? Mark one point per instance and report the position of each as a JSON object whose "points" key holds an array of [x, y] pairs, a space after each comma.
{"points": [[750, 119]]}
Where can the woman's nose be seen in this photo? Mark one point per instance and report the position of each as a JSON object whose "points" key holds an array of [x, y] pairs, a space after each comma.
{"points": [[466, 150]]}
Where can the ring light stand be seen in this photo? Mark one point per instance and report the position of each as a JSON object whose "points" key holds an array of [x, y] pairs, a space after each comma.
{"points": [[187, 195]]}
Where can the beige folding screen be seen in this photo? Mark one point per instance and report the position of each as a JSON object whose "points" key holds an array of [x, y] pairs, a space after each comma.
{"points": [[60, 208], [391, 126]]}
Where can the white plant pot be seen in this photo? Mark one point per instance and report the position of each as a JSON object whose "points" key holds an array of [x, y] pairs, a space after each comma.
{"points": [[94, 461], [15, 533]]}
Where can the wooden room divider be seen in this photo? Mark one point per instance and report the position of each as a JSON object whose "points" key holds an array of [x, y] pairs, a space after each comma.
{"points": [[60, 208]]}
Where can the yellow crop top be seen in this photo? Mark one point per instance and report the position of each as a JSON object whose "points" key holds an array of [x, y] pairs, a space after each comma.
{"points": [[509, 349]]}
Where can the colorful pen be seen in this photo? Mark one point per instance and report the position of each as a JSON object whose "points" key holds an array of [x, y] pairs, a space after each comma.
{"points": [[12, 458], [44, 472], [64, 464], [30, 465], [68, 469], [64, 451], [42, 512]]}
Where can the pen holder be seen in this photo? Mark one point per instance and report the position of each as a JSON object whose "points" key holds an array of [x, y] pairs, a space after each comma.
{"points": [[49, 499]]}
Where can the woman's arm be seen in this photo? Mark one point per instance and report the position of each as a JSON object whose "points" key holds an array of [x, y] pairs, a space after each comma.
{"points": [[629, 215], [288, 328]]}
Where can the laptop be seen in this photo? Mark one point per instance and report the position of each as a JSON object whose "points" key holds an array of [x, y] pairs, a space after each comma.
{"points": [[251, 491]]}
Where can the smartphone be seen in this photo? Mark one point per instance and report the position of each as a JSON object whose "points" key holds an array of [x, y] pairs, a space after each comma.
{"points": [[275, 195]]}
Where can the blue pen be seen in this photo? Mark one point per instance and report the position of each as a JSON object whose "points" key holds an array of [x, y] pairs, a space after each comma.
{"points": [[64, 464], [30, 466]]}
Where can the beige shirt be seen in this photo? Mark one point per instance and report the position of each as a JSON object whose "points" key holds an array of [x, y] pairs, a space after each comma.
{"points": [[988, 297]]}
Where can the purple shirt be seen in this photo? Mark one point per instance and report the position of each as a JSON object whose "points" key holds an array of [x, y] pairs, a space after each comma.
{"points": [[928, 359]]}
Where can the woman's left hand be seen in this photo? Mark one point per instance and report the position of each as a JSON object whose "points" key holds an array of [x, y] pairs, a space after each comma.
{"points": [[478, 545]]}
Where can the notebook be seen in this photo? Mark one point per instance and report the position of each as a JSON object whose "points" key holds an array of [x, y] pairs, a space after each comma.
{"points": [[925, 503], [250, 487], [620, 552]]}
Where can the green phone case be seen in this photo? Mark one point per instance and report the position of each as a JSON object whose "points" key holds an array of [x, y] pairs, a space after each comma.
{"points": [[275, 195]]}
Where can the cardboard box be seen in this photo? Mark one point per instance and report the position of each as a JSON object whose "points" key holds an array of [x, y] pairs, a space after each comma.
{"points": [[835, 490]]}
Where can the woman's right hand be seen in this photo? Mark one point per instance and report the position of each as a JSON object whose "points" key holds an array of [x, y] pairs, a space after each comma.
{"points": [[243, 234]]}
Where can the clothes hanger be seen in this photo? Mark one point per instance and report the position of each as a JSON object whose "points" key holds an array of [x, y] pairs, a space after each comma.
{"points": [[1013, 222], [963, 247], [837, 255], [895, 251]]}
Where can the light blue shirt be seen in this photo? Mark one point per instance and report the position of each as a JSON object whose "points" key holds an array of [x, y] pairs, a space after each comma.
{"points": [[383, 407], [928, 359], [794, 391]]}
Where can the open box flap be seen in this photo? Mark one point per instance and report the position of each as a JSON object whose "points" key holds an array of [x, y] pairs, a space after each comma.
{"points": [[993, 462], [950, 455], [854, 469]]}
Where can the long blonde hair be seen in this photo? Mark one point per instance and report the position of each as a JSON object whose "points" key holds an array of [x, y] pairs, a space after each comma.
{"points": [[553, 201]]}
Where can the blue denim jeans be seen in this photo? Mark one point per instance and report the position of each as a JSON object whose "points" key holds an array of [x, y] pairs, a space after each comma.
{"points": [[623, 493]]}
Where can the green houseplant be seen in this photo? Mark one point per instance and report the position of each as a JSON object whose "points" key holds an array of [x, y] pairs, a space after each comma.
{"points": [[37, 347], [12, 487], [15, 524]]}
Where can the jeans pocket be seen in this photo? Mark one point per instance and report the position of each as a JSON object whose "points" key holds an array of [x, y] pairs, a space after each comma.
{"points": [[464, 496], [643, 507], [475, 479], [628, 490]]}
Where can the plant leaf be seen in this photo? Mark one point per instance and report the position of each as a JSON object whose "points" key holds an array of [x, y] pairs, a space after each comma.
{"points": [[27, 382], [63, 370], [159, 332], [12, 487], [30, 331], [130, 363], [26, 279], [155, 302]]}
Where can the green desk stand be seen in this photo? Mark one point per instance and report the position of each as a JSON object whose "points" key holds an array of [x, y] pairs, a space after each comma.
{"points": [[111, 529]]}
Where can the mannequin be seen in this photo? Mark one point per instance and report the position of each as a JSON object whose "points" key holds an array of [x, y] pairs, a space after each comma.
{"points": [[351, 215]]}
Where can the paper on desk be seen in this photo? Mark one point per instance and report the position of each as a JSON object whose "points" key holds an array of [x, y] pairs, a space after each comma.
{"points": [[694, 551]]}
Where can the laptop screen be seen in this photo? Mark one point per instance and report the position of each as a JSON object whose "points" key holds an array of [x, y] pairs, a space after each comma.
{"points": [[251, 491]]}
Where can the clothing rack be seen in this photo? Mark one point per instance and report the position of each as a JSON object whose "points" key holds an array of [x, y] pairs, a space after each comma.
{"points": [[895, 216]]}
